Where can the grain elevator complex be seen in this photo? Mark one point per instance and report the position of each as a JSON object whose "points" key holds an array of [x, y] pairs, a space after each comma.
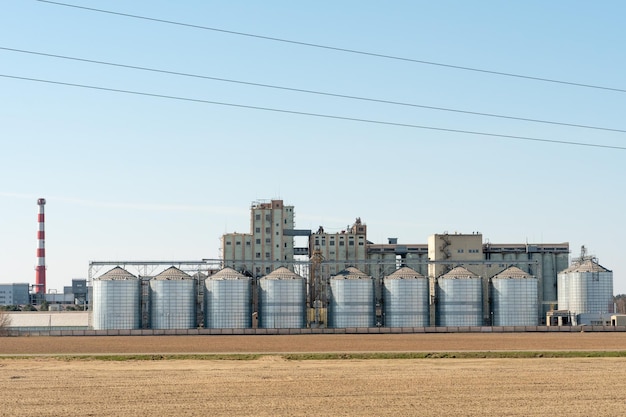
{"points": [[344, 281]]}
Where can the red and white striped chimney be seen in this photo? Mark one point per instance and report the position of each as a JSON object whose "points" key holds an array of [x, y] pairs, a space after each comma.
{"points": [[40, 274]]}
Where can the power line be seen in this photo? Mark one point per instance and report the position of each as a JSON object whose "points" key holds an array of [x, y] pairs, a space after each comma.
{"points": [[338, 49], [326, 116], [322, 93]]}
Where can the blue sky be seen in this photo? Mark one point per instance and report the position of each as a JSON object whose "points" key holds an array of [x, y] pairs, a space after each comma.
{"points": [[145, 178]]}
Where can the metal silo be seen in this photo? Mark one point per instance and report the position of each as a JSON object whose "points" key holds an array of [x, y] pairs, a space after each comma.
{"points": [[173, 300], [282, 296], [459, 298], [515, 299], [352, 301], [586, 287], [405, 299], [116, 300], [228, 300]]}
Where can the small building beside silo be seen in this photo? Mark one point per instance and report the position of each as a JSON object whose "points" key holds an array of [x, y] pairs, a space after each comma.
{"points": [[116, 301], [405, 299], [352, 302], [514, 298], [282, 300]]}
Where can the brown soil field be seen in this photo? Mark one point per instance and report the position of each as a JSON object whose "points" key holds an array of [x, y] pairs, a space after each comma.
{"points": [[272, 386], [314, 343]]}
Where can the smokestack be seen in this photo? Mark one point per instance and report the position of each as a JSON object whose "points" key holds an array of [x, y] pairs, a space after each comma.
{"points": [[40, 275]]}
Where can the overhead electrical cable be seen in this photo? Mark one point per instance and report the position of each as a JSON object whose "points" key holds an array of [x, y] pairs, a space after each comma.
{"points": [[322, 93], [320, 115], [338, 49]]}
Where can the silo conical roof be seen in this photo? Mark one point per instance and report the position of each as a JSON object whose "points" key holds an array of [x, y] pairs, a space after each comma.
{"points": [[459, 272], [172, 273], [405, 273], [117, 273], [588, 265], [351, 273], [282, 273], [513, 272], [227, 273]]}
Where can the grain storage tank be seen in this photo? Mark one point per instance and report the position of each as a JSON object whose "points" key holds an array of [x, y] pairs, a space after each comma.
{"points": [[352, 301], [116, 301], [585, 287], [459, 298], [405, 299], [173, 300], [282, 296], [227, 300], [515, 299]]}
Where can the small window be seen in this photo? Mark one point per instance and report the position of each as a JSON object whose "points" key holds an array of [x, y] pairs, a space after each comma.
{"points": [[258, 255], [331, 243], [267, 255], [268, 240], [267, 230], [360, 243], [257, 217], [257, 230], [351, 243], [342, 243], [228, 243], [268, 217], [258, 241], [248, 243], [238, 243]]}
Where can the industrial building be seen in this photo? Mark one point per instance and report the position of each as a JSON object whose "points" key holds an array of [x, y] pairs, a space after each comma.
{"points": [[342, 280]]}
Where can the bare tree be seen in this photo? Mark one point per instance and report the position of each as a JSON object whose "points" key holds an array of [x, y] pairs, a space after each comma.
{"points": [[5, 321]]}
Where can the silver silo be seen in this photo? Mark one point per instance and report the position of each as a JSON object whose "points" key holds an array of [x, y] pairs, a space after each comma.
{"points": [[352, 301], [405, 299], [515, 299], [173, 300], [586, 287], [228, 300], [116, 301], [282, 296], [459, 298]]}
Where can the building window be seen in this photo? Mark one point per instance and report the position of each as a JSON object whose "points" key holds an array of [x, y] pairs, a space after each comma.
{"points": [[342, 243], [268, 217], [268, 240], [331, 243], [257, 217], [460, 251], [267, 255], [258, 255], [257, 230], [248, 243], [258, 241], [238, 243], [351, 243], [360, 243], [267, 230], [228, 243], [267, 269]]}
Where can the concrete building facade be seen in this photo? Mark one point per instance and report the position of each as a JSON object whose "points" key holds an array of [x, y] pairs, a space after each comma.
{"points": [[267, 246], [14, 294]]}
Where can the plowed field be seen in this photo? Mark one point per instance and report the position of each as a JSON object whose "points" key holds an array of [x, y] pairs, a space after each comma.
{"points": [[273, 386]]}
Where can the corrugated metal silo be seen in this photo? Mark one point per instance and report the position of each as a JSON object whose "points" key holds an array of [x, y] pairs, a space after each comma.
{"points": [[173, 300], [227, 300], [405, 298], [282, 296], [586, 287], [515, 299], [351, 300], [459, 298], [116, 301]]}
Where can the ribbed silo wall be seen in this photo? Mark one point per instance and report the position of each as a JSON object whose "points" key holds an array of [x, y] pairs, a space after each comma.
{"points": [[228, 304], [282, 303], [515, 301], [563, 291], [459, 302], [406, 302], [590, 292], [351, 303], [173, 304], [116, 304]]}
